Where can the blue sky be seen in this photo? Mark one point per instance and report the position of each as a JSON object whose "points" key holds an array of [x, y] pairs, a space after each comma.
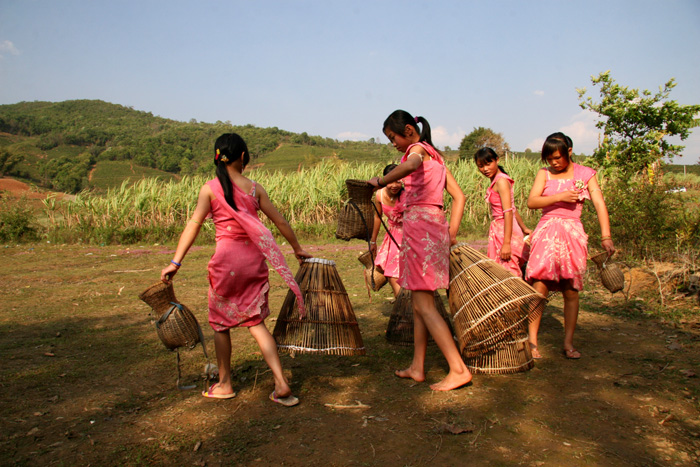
{"points": [[338, 68]]}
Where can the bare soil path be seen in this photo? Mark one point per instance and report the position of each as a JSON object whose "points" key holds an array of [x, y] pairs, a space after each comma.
{"points": [[84, 380]]}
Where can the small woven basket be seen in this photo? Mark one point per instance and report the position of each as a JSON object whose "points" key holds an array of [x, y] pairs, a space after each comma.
{"points": [[399, 331], [356, 217], [330, 326], [488, 304], [374, 277], [177, 326], [610, 274]]}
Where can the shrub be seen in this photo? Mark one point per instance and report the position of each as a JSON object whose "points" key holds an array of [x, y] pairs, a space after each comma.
{"points": [[17, 222]]}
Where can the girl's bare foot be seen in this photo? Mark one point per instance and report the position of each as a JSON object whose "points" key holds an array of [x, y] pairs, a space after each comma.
{"points": [[453, 380], [283, 391], [411, 373]]}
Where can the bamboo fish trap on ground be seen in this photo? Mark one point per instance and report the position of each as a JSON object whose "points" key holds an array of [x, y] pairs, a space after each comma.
{"points": [[177, 327], [511, 356], [610, 275], [356, 217], [489, 305], [330, 326], [399, 331], [374, 277]]}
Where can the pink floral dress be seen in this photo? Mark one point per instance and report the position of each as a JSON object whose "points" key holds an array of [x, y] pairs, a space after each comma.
{"points": [[559, 246], [425, 249], [388, 252], [519, 252]]}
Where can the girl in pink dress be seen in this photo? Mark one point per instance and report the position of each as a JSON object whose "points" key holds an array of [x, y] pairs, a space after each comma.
{"points": [[238, 273], [559, 246], [427, 236], [506, 238], [390, 202]]}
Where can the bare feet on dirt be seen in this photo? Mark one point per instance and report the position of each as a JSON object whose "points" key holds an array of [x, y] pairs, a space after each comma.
{"points": [[453, 380], [411, 373]]}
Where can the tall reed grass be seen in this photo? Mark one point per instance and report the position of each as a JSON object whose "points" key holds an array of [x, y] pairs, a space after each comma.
{"points": [[310, 199]]}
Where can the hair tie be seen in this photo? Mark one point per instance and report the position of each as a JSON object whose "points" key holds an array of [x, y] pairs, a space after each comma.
{"points": [[216, 156], [416, 119]]}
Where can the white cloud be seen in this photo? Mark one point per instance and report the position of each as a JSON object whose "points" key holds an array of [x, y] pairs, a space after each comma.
{"points": [[352, 136], [535, 145], [583, 132], [8, 47], [538, 93], [441, 137]]}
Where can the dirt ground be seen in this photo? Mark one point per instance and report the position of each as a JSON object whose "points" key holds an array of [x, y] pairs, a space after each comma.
{"points": [[84, 379]]}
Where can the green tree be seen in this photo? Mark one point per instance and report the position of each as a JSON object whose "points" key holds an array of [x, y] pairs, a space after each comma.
{"points": [[8, 161], [482, 138], [636, 124]]}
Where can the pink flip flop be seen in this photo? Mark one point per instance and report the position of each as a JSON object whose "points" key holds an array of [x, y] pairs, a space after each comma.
{"points": [[288, 401], [210, 395]]}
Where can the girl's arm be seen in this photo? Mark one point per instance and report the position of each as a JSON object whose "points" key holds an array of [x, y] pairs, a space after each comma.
{"points": [[281, 223], [503, 190], [602, 211], [377, 222], [522, 225], [189, 234], [403, 169], [458, 203], [537, 201]]}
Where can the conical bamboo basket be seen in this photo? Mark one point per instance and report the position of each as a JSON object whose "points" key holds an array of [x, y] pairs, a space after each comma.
{"points": [[610, 275], [330, 326], [488, 304], [511, 356], [356, 217], [399, 331]]}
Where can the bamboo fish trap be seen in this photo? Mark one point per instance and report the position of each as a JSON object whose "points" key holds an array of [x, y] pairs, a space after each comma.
{"points": [[330, 326], [356, 217], [612, 277], [399, 331], [489, 305], [512, 356], [374, 277]]}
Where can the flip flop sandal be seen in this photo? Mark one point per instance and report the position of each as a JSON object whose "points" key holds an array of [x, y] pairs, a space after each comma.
{"points": [[533, 350], [208, 394], [288, 401], [571, 354]]}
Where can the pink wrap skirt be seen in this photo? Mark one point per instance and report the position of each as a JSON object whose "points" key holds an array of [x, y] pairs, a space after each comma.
{"points": [[424, 260]]}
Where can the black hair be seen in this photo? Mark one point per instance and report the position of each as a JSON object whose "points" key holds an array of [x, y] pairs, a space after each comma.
{"points": [[229, 146], [389, 168], [557, 142], [398, 120], [486, 155]]}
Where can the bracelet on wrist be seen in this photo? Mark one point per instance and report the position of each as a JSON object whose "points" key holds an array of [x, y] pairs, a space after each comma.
{"points": [[380, 182], [606, 237], [176, 263]]}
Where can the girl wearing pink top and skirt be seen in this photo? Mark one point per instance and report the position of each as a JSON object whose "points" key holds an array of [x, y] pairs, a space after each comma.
{"points": [[238, 272], [427, 236], [559, 246], [389, 201], [506, 238]]}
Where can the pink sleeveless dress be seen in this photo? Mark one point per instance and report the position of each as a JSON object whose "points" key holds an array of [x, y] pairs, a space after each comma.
{"points": [[424, 260], [238, 274], [388, 252], [559, 246], [519, 253]]}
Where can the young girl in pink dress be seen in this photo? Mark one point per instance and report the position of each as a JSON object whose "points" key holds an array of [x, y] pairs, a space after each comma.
{"points": [[238, 273], [427, 236], [390, 202], [506, 238], [559, 246]]}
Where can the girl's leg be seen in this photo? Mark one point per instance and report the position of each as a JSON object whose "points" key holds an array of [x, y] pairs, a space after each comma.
{"points": [[222, 345], [534, 321], [394, 283], [420, 344], [459, 374], [268, 346], [570, 317]]}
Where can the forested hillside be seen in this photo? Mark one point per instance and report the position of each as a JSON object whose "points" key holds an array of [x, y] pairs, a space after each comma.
{"points": [[67, 145]]}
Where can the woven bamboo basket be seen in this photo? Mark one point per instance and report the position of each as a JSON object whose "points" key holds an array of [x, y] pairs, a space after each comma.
{"points": [[610, 274], [399, 331], [512, 356], [488, 304], [330, 326], [356, 217], [177, 326], [374, 277]]}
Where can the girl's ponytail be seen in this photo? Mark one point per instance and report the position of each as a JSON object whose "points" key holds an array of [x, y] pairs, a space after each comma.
{"points": [[398, 120], [229, 147], [425, 131]]}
